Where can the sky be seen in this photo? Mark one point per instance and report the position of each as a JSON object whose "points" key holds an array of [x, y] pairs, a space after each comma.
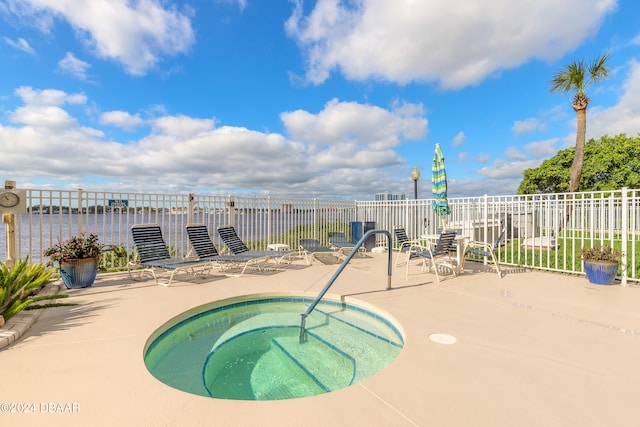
{"points": [[325, 98]]}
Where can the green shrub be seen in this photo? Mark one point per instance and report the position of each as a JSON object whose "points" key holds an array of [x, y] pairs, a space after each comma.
{"points": [[19, 287], [600, 253]]}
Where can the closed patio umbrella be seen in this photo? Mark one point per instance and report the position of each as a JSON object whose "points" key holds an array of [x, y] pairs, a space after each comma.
{"points": [[439, 185]]}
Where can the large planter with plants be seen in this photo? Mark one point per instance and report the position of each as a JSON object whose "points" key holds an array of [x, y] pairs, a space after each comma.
{"points": [[600, 264], [78, 259], [79, 273]]}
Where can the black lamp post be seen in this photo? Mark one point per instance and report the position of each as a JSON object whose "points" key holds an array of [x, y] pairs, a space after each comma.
{"points": [[415, 176]]}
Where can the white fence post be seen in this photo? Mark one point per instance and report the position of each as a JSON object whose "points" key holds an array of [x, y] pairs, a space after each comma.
{"points": [[269, 219], [9, 219], [190, 209], [624, 231], [80, 218], [315, 219], [406, 213], [486, 220], [232, 210]]}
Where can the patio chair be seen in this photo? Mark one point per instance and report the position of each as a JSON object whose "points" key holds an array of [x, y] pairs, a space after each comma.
{"points": [[338, 241], [441, 250], [458, 231], [153, 255], [308, 248], [236, 246], [486, 250], [204, 248], [403, 242]]}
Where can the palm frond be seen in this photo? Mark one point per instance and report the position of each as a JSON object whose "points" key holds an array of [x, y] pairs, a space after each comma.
{"points": [[570, 79], [598, 69]]}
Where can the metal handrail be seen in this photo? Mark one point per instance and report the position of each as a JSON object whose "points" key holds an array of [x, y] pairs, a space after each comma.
{"points": [[303, 334]]}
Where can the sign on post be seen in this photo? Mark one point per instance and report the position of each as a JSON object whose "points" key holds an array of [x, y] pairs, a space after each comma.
{"points": [[115, 204]]}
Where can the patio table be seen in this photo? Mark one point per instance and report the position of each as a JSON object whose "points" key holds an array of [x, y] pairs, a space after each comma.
{"points": [[461, 241]]}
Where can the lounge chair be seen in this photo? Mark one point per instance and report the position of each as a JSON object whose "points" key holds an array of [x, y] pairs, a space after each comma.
{"points": [[309, 248], [441, 250], [338, 240], [237, 247], [206, 251], [486, 250], [153, 254], [402, 242]]}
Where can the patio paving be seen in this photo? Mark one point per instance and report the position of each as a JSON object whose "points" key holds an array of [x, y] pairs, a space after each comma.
{"points": [[533, 349]]}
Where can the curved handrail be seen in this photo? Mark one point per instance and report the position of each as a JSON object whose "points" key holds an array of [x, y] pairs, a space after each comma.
{"points": [[303, 335]]}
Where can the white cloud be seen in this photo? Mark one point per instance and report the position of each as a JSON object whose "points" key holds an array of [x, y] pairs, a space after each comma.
{"points": [[537, 149], [182, 126], [47, 143], [341, 122], [507, 174], [459, 139], [32, 96], [74, 66], [514, 153], [351, 156], [526, 126], [20, 44], [623, 117], [242, 4], [42, 109], [478, 187], [501, 169], [50, 117], [136, 34], [121, 119], [482, 158], [454, 42], [543, 149]]}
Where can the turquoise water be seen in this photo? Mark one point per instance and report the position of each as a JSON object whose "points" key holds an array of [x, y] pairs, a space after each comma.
{"points": [[249, 349]]}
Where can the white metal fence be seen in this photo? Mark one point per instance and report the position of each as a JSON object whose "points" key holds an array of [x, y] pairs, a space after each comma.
{"points": [[56, 215], [543, 231]]}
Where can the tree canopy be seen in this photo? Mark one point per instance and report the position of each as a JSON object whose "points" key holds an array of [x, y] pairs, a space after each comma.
{"points": [[610, 163]]}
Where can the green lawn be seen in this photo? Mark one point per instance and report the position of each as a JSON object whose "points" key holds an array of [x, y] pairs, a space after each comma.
{"points": [[564, 257]]}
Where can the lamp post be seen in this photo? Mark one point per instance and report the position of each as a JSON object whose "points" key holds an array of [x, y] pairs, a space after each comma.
{"points": [[415, 176]]}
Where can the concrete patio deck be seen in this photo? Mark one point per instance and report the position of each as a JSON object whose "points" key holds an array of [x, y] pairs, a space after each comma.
{"points": [[533, 349]]}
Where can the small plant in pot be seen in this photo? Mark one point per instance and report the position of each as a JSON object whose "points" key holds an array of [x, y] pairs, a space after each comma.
{"points": [[78, 259], [600, 263]]}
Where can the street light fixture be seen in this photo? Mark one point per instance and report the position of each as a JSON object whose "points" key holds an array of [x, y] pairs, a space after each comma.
{"points": [[415, 176]]}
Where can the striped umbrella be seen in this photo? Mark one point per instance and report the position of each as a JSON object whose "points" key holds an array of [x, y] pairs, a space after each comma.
{"points": [[439, 185]]}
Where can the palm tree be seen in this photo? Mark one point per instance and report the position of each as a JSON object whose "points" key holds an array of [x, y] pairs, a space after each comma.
{"points": [[573, 79]]}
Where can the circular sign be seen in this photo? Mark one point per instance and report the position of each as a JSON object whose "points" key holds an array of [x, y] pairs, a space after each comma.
{"points": [[9, 199]]}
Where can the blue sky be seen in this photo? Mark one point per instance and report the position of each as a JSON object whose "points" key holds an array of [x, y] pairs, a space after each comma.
{"points": [[322, 98]]}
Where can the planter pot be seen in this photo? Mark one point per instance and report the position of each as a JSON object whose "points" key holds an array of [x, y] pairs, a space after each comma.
{"points": [[79, 273], [601, 273]]}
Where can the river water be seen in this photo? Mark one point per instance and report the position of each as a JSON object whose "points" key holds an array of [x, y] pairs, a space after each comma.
{"points": [[37, 232]]}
